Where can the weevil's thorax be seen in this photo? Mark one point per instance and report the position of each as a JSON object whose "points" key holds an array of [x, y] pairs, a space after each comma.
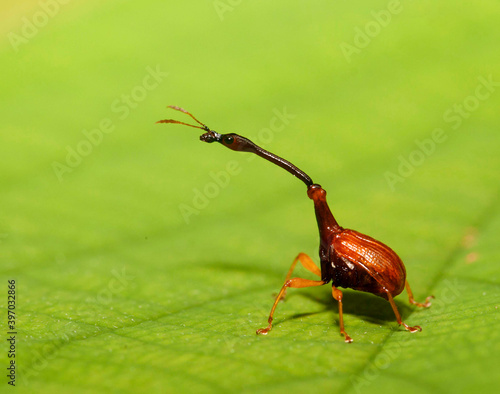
{"points": [[327, 226]]}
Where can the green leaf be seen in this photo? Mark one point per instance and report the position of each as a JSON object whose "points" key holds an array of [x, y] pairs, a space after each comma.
{"points": [[144, 260]]}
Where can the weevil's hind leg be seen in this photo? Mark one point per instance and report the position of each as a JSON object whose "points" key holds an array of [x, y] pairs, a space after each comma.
{"points": [[337, 294], [425, 304], [398, 316], [295, 283], [307, 263]]}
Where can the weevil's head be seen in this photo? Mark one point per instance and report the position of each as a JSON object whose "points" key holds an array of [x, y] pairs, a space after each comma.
{"points": [[232, 141], [211, 136]]}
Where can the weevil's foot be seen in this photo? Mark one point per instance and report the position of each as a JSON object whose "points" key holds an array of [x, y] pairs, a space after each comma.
{"points": [[264, 331], [425, 304], [413, 329], [428, 302], [348, 339]]}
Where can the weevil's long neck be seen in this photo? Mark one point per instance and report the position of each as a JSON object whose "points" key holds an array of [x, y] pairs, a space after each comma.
{"points": [[242, 144], [279, 161], [327, 224]]}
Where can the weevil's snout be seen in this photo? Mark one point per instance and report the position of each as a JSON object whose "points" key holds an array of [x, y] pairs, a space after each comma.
{"points": [[211, 136]]}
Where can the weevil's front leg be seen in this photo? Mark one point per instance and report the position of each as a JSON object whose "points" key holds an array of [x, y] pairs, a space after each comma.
{"points": [[307, 263], [398, 316], [425, 304], [295, 283], [337, 294]]}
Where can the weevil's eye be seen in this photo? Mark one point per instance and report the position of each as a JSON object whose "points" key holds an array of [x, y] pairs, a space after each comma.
{"points": [[228, 140]]}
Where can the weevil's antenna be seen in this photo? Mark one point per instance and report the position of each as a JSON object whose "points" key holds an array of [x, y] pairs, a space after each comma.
{"points": [[203, 126], [186, 112]]}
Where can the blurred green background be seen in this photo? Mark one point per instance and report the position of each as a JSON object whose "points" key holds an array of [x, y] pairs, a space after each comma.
{"points": [[145, 260]]}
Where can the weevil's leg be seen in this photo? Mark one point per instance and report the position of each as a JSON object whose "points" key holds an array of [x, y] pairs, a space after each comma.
{"points": [[398, 316], [337, 294], [425, 304], [307, 263], [295, 283]]}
